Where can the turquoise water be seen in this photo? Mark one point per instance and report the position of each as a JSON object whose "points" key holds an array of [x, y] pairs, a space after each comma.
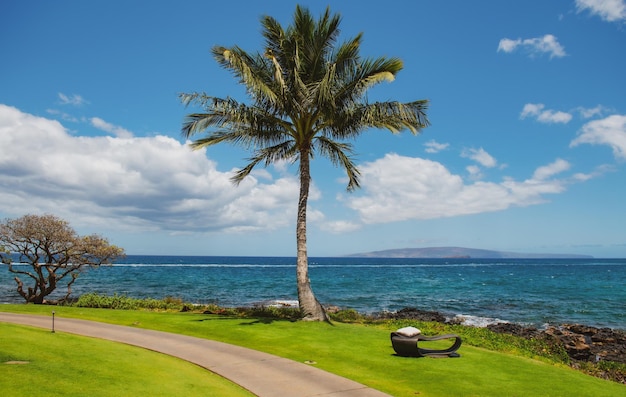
{"points": [[530, 291]]}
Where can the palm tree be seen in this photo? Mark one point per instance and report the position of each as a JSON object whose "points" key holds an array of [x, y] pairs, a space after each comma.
{"points": [[308, 97]]}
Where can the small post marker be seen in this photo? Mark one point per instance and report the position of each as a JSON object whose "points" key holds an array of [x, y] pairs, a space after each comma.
{"points": [[53, 321]]}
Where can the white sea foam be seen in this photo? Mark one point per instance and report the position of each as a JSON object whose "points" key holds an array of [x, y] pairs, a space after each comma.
{"points": [[476, 321], [282, 303], [197, 265]]}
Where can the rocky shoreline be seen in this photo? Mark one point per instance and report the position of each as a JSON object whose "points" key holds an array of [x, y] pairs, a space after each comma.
{"points": [[581, 342], [585, 345]]}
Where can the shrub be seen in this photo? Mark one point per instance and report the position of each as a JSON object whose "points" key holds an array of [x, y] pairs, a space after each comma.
{"points": [[122, 302], [347, 316]]}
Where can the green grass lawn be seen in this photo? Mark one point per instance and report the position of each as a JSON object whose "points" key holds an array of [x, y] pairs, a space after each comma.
{"points": [[45, 364], [359, 352]]}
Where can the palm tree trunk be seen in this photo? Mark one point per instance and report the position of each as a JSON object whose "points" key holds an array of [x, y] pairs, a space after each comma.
{"points": [[311, 309]]}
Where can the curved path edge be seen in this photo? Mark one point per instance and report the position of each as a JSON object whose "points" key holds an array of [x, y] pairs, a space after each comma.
{"points": [[262, 374]]}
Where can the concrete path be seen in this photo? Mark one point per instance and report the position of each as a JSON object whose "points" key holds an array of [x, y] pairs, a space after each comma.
{"points": [[262, 374]]}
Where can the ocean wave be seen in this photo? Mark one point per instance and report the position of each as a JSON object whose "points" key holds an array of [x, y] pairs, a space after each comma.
{"points": [[475, 321], [281, 303]]}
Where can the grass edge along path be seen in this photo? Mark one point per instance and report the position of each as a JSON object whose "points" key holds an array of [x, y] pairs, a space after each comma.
{"points": [[364, 354], [34, 361]]}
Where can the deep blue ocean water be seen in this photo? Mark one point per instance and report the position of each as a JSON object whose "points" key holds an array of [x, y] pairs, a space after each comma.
{"points": [[527, 291]]}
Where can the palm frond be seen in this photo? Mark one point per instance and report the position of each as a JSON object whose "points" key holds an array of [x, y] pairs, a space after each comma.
{"points": [[268, 155], [339, 153], [252, 71], [227, 120], [245, 171], [318, 41], [347, 54], [273, 33], [356, 80], [396, 116], [393, 116]]}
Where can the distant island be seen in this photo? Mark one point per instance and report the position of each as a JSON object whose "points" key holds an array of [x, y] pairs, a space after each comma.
{"points": [[459, 252]]}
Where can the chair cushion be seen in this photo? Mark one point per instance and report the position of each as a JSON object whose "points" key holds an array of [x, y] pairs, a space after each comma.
{"points": [[409, 331]]}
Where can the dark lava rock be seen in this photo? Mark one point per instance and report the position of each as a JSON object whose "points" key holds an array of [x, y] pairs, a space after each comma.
{"points": [[598, 343], [514, 329], [411, 313], [582, 342]]}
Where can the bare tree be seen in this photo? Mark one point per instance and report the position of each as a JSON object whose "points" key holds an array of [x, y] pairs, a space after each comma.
{"points": [[48, 250]]}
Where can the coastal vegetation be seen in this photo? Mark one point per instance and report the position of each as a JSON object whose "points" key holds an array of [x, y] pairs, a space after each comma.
{"points": [[490, 365], [308, 98], [53, 252]]}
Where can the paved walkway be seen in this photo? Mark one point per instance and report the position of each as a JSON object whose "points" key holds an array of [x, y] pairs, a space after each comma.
{"points": [[262, 374]]}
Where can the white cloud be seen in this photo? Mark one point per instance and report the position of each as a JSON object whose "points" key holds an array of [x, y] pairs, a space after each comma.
{"points": [[537, 111], [609, 10], [474, 171], [75, 100], [508, 45], [338, 227], [532, 109], [398, 188], [62, 115], [550, 116], [609, 131], [435, 147], [108, 127], [134, 184], [547, 44], [159, 184], [545, 172], [591, 112], [480, 156]]}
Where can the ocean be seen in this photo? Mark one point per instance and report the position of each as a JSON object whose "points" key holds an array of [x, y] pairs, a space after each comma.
{"points": [[532, 292]]}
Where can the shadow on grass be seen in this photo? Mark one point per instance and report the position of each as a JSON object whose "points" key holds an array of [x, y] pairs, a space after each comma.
{"points": [[249, 321], [199, 320], [261, 321]]}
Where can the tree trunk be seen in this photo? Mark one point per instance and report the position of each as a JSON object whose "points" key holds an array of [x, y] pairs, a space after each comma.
{"points": [[311, 308]]}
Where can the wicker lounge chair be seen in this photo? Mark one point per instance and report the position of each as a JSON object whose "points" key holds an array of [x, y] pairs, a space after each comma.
{"points": [[408, 346]]}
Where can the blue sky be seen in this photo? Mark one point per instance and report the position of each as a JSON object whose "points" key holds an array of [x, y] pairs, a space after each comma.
{"points": [[526, 152]]}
